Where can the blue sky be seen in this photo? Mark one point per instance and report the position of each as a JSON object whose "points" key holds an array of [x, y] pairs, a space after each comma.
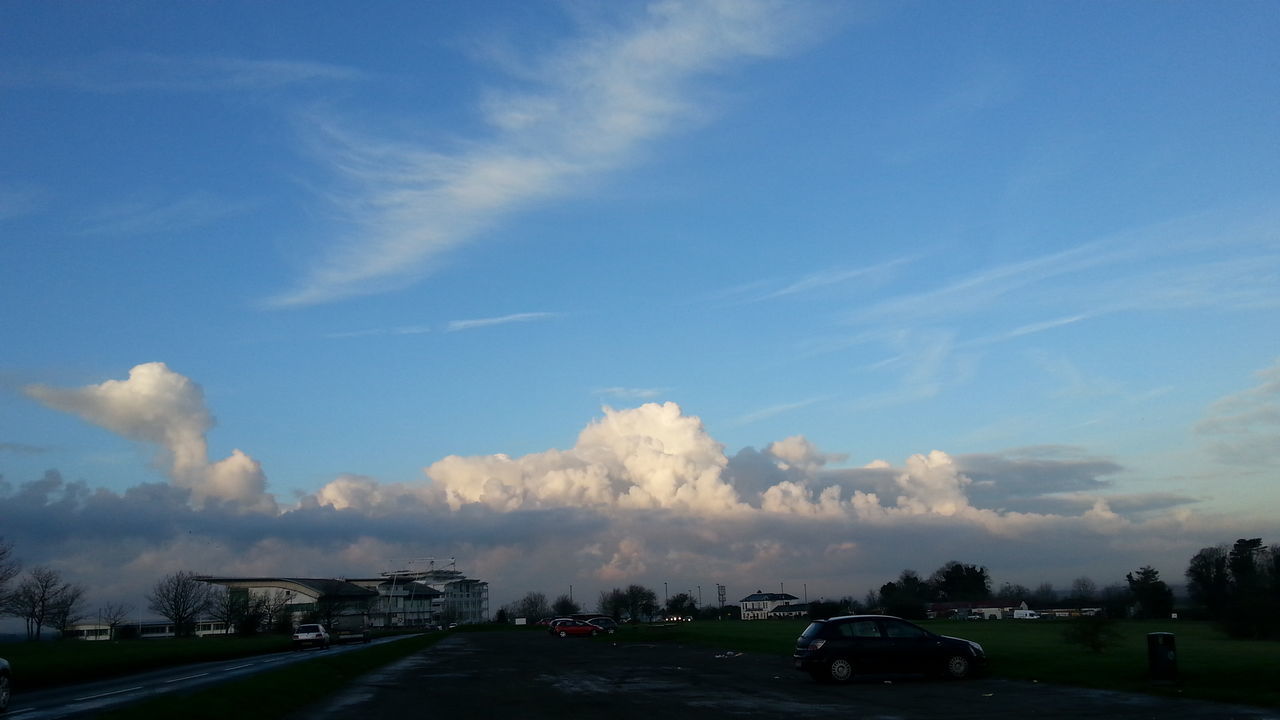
{"points": [[1039, 239]]}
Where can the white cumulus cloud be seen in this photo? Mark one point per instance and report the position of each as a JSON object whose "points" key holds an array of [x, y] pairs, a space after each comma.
{"points": [[161, 407]]}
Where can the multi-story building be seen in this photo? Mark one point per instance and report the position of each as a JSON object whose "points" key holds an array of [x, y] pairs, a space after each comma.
{"points": [[457, 598]]}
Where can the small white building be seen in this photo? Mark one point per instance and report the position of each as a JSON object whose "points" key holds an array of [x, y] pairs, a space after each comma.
{"points": [[759, 604]]}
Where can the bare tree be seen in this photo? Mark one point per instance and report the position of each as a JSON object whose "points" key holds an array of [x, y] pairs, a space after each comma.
{"points": [[180, 598], [564, 605], [114, 615], [612, 603], [226, 607], [44, 600], [274, 609], [68, 608], [1083, 591], [532, 605], [9, 567]]}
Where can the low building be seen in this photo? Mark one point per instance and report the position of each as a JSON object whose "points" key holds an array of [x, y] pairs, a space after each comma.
{"points": [[144, 629], [393, 599], [788, 611], [979, 611], [335, 602], [759, 604]]}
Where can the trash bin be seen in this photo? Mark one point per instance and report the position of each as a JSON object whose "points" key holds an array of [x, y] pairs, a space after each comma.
{"points": [[1162, 656]]}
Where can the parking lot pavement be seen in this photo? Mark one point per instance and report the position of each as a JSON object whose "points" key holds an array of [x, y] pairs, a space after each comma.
{"points": [[533, 675]]}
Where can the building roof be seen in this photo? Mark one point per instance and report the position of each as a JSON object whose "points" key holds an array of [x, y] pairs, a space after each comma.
{"points": [[315, 587], [768, 597]]}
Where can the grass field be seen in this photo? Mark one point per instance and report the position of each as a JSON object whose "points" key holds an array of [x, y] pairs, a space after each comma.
{"points": [[275, 693], [44, 664], [1211, 665]]}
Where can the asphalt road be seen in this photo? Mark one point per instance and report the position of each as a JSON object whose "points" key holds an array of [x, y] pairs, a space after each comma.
{"points": [[87, 700], [531, 675]]}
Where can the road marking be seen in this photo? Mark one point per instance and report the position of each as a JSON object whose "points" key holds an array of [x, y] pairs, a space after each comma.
{"points": [[237, 667], [113, 692], [189, 677]]}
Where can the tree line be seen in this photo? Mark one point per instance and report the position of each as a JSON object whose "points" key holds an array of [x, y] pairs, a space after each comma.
{"points": [[40, 597], [1238, 587], [1143, 594], [635, 603], [45, 600]]}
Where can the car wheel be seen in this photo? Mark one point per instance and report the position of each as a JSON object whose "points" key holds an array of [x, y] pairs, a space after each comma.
{"points": [[957, 667], [840, 670], [564, 634], [4, 693]]}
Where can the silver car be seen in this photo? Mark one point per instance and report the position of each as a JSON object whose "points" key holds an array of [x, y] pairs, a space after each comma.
{"points": [[4, 685], [310, 634]]}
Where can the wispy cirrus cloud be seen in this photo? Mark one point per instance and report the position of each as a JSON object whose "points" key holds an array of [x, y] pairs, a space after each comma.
{"points": [[452, 326], [583, 110], [774, 410], [1224, 259], [873, 276], [1244, 428], [376, 332], [627, 393], [122, 72], [19, 201], [147, 216], [457, 325]]}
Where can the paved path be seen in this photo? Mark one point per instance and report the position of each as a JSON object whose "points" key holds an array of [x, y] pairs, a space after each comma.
{"points": [[530, 675]]}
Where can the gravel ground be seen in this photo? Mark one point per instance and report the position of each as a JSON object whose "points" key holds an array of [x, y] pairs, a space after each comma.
{"points": [[533, 675]]}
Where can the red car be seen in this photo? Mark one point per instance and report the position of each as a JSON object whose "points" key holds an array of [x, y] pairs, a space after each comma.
{"points": [[565, 628]]}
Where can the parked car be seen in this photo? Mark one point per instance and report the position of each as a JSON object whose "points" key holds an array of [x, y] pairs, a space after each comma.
{"points": [[5, 685], [606, 624], [310, 634], [568, 627], [837, 649], [553, 624]]}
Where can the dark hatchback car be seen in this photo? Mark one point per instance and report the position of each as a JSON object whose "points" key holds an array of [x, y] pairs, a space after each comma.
{"points": [[837, 649]]}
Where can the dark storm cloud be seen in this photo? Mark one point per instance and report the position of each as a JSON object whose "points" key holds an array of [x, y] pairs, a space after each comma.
{"points": [[1002, 479], [1127, 505]]}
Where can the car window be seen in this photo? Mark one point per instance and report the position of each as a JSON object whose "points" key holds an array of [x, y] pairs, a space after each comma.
{"points": [[865, 628], [813, 630], [860, 629], [898, 629]]}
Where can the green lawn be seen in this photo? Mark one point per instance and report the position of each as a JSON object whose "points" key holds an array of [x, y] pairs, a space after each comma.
{"points": [[1211, 665], [275, 693], [62, 662]]}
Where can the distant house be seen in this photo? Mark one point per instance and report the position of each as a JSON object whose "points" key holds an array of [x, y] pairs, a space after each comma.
{"points": [[759, 605], [787, 611]]}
